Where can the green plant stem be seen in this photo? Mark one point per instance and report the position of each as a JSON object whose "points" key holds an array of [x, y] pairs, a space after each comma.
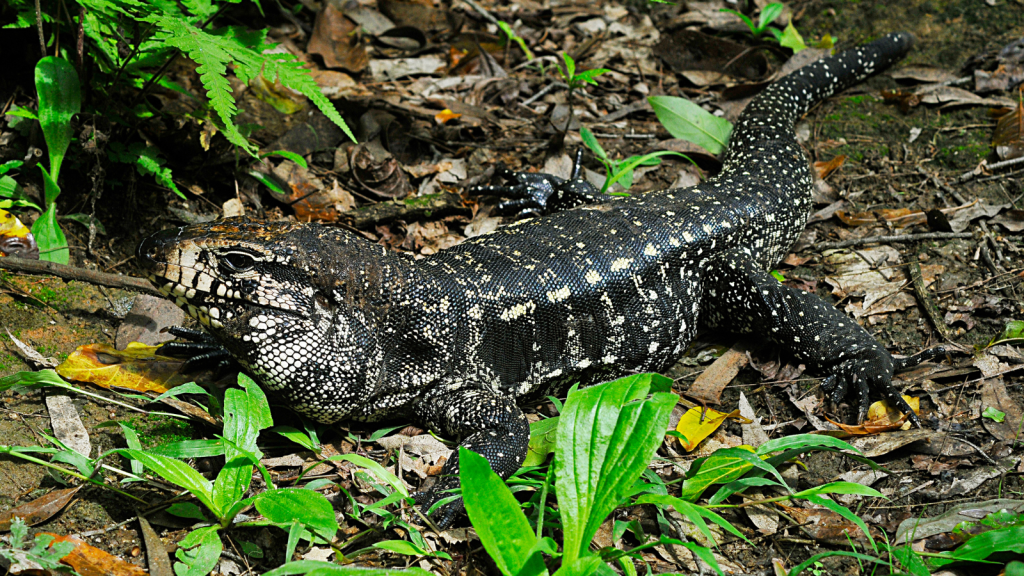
{"points": [[543, 501], [119, 403], [4, 449], [751, 502], [135, 50]]}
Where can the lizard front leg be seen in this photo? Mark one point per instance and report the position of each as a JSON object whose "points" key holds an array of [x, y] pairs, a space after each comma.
{"points": [[536, 193], [742, 298], [487, 423]]}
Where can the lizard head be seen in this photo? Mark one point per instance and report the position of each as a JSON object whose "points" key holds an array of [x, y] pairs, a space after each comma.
{"points": [[228, 271], [286, 299]]}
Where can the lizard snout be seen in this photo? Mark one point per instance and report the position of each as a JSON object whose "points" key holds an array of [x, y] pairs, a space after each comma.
{"points": [[150, 249]]}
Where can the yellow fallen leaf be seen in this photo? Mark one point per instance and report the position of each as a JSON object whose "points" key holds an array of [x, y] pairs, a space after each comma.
{"points": [[137, 367], [694, 430]]}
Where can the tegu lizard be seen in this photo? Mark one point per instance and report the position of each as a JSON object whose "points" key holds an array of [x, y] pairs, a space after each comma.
{"points": [[339, 328]]}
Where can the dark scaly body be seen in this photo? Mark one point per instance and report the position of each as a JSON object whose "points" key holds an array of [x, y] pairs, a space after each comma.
{"points": [[340, 328]]}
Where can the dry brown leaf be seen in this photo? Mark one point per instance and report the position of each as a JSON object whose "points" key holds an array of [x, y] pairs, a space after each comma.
{"points": [[39, 510], [709, 384]]}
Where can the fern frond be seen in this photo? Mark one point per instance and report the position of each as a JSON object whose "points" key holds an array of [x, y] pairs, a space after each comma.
{"points": [[213, 51], [213, 54]]}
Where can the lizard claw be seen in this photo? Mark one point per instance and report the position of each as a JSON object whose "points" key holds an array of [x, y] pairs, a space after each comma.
{"points": [[445, 516], [863, 375], [535, 193], [200, 351]]}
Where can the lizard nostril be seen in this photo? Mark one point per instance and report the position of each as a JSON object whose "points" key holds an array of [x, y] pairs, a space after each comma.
{"points": [[149, 249]]}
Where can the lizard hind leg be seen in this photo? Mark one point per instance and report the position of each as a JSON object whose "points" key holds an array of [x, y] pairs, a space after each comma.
{"points": [[748, 300], [488, 423]]}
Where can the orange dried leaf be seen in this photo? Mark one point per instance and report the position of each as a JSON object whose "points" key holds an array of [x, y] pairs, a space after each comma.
{"points": [[856, 218], [826, 168], [693, 430], [1010, 127], [445, 115], [91, 561], [135, 368]]}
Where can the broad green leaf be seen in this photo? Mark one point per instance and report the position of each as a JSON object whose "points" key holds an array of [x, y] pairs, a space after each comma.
{"points": [[246, 412], [198, 552], [684, 119], [190, 449], [39, 379], [378, 471], [993, 414], [722, 467], [808, 441], [401, 547], [294, 534], [289, 155], [980, 547], [297, 436], [542, 441], [606, 437], [231, 483], [495, 514], [590, 141], [60, 98], [570, 67], [768, 14], [627, 167], [792, 39], [739, 486], [704, 554], [589, 76], [283, 505], [131, 438], [408, 549], [580, 567], [840, 488], [53, 246], [178, 473], [186, 510], [695, 513], [1014, 330]]}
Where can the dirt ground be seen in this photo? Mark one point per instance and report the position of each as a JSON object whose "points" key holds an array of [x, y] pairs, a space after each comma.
{"points": [[904, 157]]}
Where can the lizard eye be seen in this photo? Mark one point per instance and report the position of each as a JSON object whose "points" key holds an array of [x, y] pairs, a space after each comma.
{"points": [[236, 262]]}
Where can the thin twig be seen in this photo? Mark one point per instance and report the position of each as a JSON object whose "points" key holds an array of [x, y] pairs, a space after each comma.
{"points": [[984, 165], [80, 274], [39, 25], [926, 302], [895, 238], [480, 10]]}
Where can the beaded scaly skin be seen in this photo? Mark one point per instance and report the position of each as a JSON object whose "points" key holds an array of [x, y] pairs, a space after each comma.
{"points": [[338, 328]]}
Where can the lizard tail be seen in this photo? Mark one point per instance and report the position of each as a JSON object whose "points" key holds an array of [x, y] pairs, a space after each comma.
{"points": [[771, 115]]}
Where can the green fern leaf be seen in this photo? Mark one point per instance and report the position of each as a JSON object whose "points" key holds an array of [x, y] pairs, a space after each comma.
{"points": [[213, 54]]}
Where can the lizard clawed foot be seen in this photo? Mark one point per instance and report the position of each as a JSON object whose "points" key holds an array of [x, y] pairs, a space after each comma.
{"points": [[200, 351], [901, 364], [863, 376], [445, 516], [535, 193]]}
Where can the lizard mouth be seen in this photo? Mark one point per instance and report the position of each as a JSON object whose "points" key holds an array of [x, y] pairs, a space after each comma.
{"points": [[209, 309]]}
